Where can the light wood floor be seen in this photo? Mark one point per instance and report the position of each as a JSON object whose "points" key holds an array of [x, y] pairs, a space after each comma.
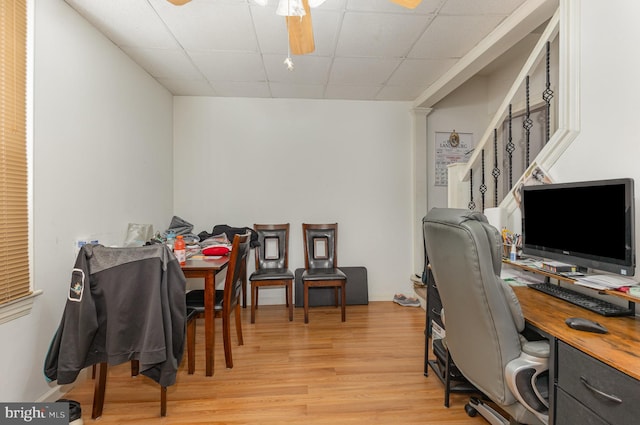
{"points": [[367, 370]]}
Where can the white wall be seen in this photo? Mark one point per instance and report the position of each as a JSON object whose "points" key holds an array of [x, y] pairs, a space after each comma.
{"points": [[465, 111], [102, 158], [607, 146], [246, 161]]}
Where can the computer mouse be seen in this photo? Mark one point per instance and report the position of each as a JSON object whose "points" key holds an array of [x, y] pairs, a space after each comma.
{"points": [[582, 324]]}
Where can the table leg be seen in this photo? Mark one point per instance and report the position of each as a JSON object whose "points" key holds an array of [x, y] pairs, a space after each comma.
{"points": [[289, 294], [244, 288], [209, 329]]}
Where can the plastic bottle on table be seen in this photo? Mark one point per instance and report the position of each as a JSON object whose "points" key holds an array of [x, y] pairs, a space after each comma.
{"points": [[180, 251], [171, 239], [513, 255]]}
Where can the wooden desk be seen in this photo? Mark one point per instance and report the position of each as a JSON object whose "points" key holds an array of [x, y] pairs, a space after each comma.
{"points": [[594, 378], [556, 276], [207, 269], [620, 348]]}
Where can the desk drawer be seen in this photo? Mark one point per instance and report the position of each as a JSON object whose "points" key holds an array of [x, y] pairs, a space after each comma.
{"points": [[609, 393], [571, 412]]}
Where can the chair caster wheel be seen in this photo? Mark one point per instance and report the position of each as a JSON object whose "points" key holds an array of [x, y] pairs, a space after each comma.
{"points": [[471, 411]]}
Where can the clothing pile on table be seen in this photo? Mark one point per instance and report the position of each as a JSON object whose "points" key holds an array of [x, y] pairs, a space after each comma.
{"points": [[230, 232], [221, 236]]}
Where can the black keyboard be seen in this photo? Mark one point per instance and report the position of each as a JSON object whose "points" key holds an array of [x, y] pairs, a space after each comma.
{"points": [[596, 305]]}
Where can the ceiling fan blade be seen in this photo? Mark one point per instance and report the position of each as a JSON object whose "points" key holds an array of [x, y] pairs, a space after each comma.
{"points": [[178, 2], [410, 4], [301, 32]]}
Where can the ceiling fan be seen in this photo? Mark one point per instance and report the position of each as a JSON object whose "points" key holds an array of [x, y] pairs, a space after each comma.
{"points": [[297, 14]]}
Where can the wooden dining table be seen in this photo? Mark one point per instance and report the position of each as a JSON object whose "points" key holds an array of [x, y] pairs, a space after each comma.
{"points": [[207, 268]]}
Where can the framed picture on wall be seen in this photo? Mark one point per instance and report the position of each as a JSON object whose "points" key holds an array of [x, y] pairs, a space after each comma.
{"points": [[533, 176], [451, 147]]}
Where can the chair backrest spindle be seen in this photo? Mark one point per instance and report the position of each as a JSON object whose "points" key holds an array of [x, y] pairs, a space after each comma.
{"points": [[320, 245], [272, 253], [236, 272]]}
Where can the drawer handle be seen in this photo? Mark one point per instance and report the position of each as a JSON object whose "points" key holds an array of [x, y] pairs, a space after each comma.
{"points": [[437, 313], [609, 397]]}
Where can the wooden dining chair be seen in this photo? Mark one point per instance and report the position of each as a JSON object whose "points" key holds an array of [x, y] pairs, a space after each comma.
{"points": [[272, 264], [227, 300], [321, 264], [99, 370]]}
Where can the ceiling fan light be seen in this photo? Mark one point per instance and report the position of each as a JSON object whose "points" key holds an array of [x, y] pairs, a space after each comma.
{"points": [[316, 3], [290, 8], [289, 63], [409, 4]]}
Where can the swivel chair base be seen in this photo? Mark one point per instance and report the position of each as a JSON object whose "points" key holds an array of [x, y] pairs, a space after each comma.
{"points": [[476, 406]]}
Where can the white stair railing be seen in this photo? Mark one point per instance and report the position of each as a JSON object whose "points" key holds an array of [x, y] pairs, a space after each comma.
{"points": [[565, 24], [459, 178]]}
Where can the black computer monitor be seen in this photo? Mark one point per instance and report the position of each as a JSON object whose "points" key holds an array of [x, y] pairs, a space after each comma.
{"points": [[588, 224]]}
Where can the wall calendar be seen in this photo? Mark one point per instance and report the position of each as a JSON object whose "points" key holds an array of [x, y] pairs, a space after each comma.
{"points": [[451, 147]]}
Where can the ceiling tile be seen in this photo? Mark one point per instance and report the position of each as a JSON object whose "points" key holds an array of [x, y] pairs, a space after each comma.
{"points": [[420, 72], [376, 35], [202, 25], [307, 69], [352, 92], [126, 22], [426, 7], [242, 89], [188, 87], [453, 37], [297, 91], [362, 70], [229, 66], [484, 7], [326, 26], [327, 5], [162, 63], [398, 93], [271, 30]]}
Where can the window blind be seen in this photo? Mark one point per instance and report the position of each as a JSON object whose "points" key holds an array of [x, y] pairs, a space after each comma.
{"points": [[14, 238]]}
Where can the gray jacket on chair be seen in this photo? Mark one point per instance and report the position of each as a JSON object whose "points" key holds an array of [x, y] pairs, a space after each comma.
{"points": [[123, 304]]}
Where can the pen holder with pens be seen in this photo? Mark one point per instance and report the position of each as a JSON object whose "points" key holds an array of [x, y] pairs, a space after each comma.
{"points": [[511, 245], [511, 251]]}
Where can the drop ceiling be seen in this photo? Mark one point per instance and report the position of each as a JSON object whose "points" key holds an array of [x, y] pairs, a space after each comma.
{"points": [[365, 49]]}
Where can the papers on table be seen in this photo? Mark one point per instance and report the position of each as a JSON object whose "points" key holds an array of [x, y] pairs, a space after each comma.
{"points": [[529, 262], [206, 257], [605, 281], [516, 277]]}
